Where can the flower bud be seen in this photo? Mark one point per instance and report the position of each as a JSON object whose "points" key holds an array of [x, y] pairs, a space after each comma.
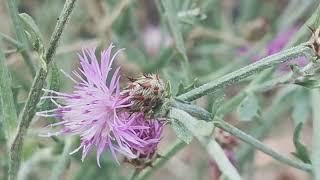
{"points": [[147, 92]]}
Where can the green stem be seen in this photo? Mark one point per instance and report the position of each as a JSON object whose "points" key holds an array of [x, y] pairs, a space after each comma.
{"points": [[13, 10], [175, 148], [252, 141], [316, 134], [236, 76], [29, 109], [260, 146]]}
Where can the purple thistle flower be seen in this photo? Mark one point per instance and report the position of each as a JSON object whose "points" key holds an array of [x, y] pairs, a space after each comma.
{"points": [[151, 135], [95, 110]]}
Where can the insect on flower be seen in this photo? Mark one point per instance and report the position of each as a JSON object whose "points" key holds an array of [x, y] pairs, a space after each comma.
{"points": [[96, 111]]}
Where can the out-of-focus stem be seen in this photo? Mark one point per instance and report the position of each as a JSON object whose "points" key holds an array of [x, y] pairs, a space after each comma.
{"points": [[304, 32], [13, 11], [8, 110], [316, 134], [29, 109], [11, 40]]}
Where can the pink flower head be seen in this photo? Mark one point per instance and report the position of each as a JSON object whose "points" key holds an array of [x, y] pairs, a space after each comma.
{"points": [[95, 110], [151, 135]]}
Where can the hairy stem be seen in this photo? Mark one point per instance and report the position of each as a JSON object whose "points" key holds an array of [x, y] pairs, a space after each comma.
{"points": [[34, 95], [236, 76]]}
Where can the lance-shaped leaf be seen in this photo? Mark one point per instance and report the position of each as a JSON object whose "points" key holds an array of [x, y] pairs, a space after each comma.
{"points": [[8, 110], [33, 32], [249, 108], [181, 131], [301, 150]]}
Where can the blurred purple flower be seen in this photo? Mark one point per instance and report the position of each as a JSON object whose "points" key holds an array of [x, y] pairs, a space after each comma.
{"points": [[279, 42], [154, 38], [95, 110], [276, 45]]}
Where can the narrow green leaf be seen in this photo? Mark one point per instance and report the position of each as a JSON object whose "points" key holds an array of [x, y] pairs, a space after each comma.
{"points": [[249, 108], [33, 32], [9, 114], [181, 131], [180, 89], [183, 89], [301, 150]]}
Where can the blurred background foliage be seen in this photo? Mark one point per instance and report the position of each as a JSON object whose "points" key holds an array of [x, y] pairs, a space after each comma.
{"points": [[188, 42]]}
